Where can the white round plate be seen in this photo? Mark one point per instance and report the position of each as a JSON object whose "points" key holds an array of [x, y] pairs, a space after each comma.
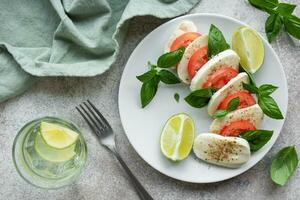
{"points": [[143, 126]]}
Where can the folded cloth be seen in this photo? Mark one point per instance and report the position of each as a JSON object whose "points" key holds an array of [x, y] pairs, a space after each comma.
{"points": [[67, 37]]}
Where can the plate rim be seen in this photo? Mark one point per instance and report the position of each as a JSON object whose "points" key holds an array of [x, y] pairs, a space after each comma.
{"points": [[285, 110]]}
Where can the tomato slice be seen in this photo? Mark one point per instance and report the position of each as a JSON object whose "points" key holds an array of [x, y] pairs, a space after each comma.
{"points": [[237, 127], [246, 100], [219, 78], [184, 40], [197, 60]]}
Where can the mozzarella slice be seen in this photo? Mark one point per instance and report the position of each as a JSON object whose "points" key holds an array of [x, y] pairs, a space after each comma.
{"points": [[227, 57], [253, 114], [233, 86], [229, 152], [182, 70], [183, 27]]}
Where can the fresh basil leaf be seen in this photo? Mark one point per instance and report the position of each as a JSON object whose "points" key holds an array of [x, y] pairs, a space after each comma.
{"points": [[294, 19], [199, 98], [266, 89], [146, 76], [284, 165], [170, 59], [168, 77], [176, 97], [252, 81], [285, 8], [273, 26], [149, 90], [233, 104], [257, 139], [292, 25], [266, 5], [216, 41], [220, 114], [269, 106], [280, 13], [251, 88]]}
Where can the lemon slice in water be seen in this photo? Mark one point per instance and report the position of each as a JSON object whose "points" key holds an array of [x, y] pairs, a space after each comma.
{"points": [[52, 154], [177, 137], [247, 43], [57, 136]]}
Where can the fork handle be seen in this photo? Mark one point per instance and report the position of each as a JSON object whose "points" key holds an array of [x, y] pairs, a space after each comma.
{"points": [[142, 192]]}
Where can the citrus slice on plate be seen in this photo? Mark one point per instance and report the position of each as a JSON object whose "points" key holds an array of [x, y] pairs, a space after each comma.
{"points": [[177, 137], [247, 43], [57, 136]]}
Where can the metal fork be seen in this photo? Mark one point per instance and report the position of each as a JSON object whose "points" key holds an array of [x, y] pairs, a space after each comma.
{"points": [[105, 134]]}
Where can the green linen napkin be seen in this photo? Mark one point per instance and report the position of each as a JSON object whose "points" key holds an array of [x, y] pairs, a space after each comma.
{"points": [[67, 37]]}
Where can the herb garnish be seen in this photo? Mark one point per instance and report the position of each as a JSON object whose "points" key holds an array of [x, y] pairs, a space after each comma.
{"points": [[199, 98], [265, 101], [257, 138], [216, 42], [283, 165], [168, 77], [232, 105], [170, 59], [149, 90], [280, 15], [155, 75], [176, 97]]}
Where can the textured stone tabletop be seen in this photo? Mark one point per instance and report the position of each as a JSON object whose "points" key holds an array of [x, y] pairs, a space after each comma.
{"points": [[102, 177]]}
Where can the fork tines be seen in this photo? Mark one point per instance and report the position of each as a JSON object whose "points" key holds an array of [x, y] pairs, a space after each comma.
{"points": [[93, 117]]}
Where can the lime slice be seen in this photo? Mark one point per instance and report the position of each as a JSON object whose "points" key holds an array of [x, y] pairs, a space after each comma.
{"points": [[57, 136], [52, 154], [247, 43], [177, 137]]}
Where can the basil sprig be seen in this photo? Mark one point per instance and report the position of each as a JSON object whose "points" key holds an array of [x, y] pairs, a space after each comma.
{"points": [[265, 101], [257, 138], [170, 59], [280, 15], [284, 165], [232, 105], [155, 75], [150, 81], [216, 41], [199, 98]]}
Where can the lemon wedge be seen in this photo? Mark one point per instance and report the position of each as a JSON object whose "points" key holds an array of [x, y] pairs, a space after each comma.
{"points": [[247, 43], [52, 154], [177, 137], [57, 136]]}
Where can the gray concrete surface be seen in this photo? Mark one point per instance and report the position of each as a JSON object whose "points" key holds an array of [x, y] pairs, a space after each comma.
{"points": [[102, 177]]}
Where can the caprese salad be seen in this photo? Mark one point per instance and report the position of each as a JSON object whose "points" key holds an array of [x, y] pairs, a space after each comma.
{"points": [[216, 79]]}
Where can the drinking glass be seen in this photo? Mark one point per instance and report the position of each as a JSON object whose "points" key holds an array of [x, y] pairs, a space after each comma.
{"points": [[45, 166]]}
